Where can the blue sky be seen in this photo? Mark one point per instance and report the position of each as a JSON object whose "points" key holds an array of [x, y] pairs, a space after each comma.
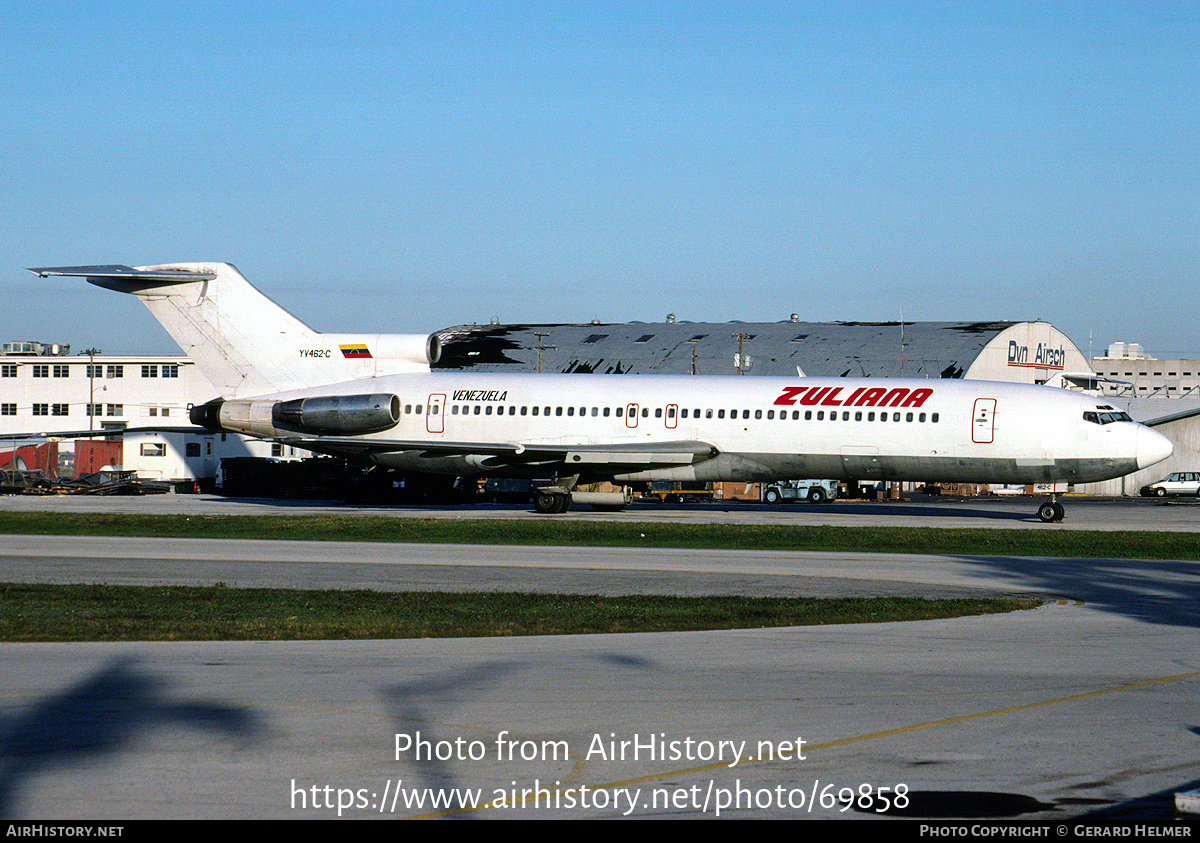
{"points": [[401, 167]]}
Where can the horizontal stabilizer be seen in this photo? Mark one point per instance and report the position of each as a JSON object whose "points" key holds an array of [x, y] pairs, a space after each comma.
{"points": [[126, 279]]}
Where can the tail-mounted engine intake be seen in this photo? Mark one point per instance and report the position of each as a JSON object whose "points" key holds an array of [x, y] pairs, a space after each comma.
{"points": [[339, 415]]}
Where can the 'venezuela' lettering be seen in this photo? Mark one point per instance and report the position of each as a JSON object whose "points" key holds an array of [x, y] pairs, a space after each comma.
{"points": [[480, 395]]}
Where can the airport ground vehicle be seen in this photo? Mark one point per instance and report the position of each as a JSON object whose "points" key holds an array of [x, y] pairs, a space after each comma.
{"points": [[1175, 483], [787, 491], [676, 492]]}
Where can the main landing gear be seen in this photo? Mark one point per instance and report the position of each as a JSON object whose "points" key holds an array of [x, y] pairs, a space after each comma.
{"points": [[551, 503], [559, 495], [555, 498], [1051, 512]]}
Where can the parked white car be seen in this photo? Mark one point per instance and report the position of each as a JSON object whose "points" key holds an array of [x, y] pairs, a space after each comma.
{"points": [[1176, 483]]}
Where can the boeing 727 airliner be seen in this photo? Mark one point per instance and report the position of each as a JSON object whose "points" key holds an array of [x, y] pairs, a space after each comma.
{"points": [[373, 398]]}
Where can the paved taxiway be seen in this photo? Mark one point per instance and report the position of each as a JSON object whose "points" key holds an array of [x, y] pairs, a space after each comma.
{"points": [[1088, 704], [1176, 514]]}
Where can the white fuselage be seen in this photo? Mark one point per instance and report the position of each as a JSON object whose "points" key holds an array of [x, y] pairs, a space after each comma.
{"points": [[626, 427]]}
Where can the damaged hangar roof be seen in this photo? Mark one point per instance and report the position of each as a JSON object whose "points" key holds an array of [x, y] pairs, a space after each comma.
{"points": [[820, 349]]}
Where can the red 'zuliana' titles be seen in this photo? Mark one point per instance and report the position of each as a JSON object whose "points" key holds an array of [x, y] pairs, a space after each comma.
{"points": [[874, 396]]}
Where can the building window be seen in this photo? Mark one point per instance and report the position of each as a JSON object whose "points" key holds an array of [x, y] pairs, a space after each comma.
{"points": [[276, 449], [62, 371], [41, 371], [95, 409], [94, 371], [60, 409], [116, 409], [8, 409], [170, 371], [149, 371], [154, 449], [41, 409], [193, 449], [8, 370], [115, 372]]}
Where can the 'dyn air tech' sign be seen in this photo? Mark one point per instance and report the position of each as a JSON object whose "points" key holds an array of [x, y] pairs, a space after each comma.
{"points": [[1045, 357]]}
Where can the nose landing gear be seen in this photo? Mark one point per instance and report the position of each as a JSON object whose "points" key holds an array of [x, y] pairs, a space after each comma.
{"points": [[1052, 511]]}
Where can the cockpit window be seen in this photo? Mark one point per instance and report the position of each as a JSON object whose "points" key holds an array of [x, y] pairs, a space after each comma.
{"points": [[1107, 418]]}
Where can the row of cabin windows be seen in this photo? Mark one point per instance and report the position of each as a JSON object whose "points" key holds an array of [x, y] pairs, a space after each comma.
{"points": [[670, 413]]}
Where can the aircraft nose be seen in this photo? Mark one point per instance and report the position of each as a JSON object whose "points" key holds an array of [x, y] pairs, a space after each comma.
{"points": [[1152, 447]]}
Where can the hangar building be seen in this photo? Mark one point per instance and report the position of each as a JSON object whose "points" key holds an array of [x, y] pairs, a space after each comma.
{"points": [[1021, 352]]}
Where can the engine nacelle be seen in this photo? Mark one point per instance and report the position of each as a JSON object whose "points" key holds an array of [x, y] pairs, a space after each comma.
{"points": [[344, 415], [338, 415], [385, 354]]}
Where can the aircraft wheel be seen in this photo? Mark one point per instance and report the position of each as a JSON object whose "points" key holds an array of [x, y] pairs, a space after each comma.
{"points": [[1050, 512], [817, 495], [551, 504], [771, 496]]}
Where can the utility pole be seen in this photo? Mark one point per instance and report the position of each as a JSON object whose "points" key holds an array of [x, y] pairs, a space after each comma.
{"points": [[541, 347], [740, 360]]}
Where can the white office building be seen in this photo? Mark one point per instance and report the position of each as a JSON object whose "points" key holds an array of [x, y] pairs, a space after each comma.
{"points": [[46, 390]]}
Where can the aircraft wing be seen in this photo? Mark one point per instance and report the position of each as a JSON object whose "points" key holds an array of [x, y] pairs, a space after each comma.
{"points": [[105, 433], [645, 454]]}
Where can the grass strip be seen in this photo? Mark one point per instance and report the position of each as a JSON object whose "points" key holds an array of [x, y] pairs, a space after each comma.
{"points": [[187, 613], [1126, 544]]}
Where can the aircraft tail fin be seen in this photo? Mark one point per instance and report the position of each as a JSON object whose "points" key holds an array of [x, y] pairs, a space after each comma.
{"points": [[245, 343]]}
